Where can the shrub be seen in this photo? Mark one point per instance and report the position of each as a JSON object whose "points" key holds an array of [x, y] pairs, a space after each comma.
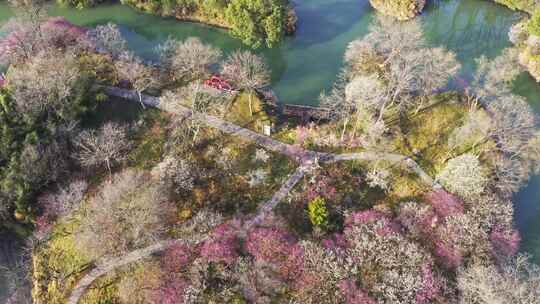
{"points": [[318, 214], [140, 284], [80, 4], [524, 5], [176, 172]]}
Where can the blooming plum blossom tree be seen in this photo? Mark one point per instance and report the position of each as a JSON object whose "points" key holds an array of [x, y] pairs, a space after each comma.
{"points": [[222, 246], [274, 246], [176, 257], [392, 268], [464, 176], [444, 203]]}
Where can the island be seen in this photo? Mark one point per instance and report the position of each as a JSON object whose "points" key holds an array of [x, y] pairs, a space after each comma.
{"points": [[186, 180]]}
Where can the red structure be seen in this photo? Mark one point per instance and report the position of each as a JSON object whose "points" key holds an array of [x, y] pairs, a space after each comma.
{"points": [[219, 83]]}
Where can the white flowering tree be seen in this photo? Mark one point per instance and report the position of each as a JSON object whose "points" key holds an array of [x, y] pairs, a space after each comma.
{"points": [[464, 175]]}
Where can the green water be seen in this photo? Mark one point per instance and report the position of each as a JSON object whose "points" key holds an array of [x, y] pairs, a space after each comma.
{"points": [[307, 63]]}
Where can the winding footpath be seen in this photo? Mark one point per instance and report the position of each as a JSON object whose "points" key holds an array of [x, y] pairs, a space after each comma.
{"points": [[307, 159]]}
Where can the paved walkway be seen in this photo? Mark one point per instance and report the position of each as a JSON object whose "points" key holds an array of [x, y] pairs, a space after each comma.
{"points": [[265, 209], [308, 160], [104, 266]]}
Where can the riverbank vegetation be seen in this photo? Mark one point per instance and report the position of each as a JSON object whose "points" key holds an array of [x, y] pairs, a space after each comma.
{"points": [[401, 10], [181, 191], [528, 6], [255, 23], [526, 36]]}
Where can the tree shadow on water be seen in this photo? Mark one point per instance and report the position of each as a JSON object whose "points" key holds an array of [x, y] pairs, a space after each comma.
{"points": [[323, 22]]}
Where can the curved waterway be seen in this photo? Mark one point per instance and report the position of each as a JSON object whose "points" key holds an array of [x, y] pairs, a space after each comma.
{"points": [[307, 63]]}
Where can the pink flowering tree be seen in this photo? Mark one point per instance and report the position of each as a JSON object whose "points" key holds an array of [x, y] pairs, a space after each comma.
{"points": [[354, 295], [222, 246], [444, 203], [275, 247], [321, 186], [385, 225], [444, 227], [431, 286], [26, 40], [504, 242], [171, 291], [177, 257]]}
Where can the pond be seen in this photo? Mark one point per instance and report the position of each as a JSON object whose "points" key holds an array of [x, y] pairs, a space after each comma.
{"points": [[308, 62]]}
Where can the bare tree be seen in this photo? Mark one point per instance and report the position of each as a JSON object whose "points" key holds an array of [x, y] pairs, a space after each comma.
{"points": [[201, 100], [531, 153], [246, 71], [509, 174], [129, 211], [492, 77], [45, 85], [514, 122], [107, 146], [189, 58], [391, 66], [340, 107], [132, 69], [397, 56], [176, 172], [108, 39], [25, 31], [65, 199]]}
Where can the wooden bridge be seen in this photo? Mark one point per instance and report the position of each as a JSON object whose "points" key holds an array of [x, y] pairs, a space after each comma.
{"points": [[303, 112]]}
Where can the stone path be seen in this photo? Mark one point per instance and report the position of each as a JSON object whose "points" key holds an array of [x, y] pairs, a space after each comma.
{"points": [[267, 208], [308, 161], [105, 265]]}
